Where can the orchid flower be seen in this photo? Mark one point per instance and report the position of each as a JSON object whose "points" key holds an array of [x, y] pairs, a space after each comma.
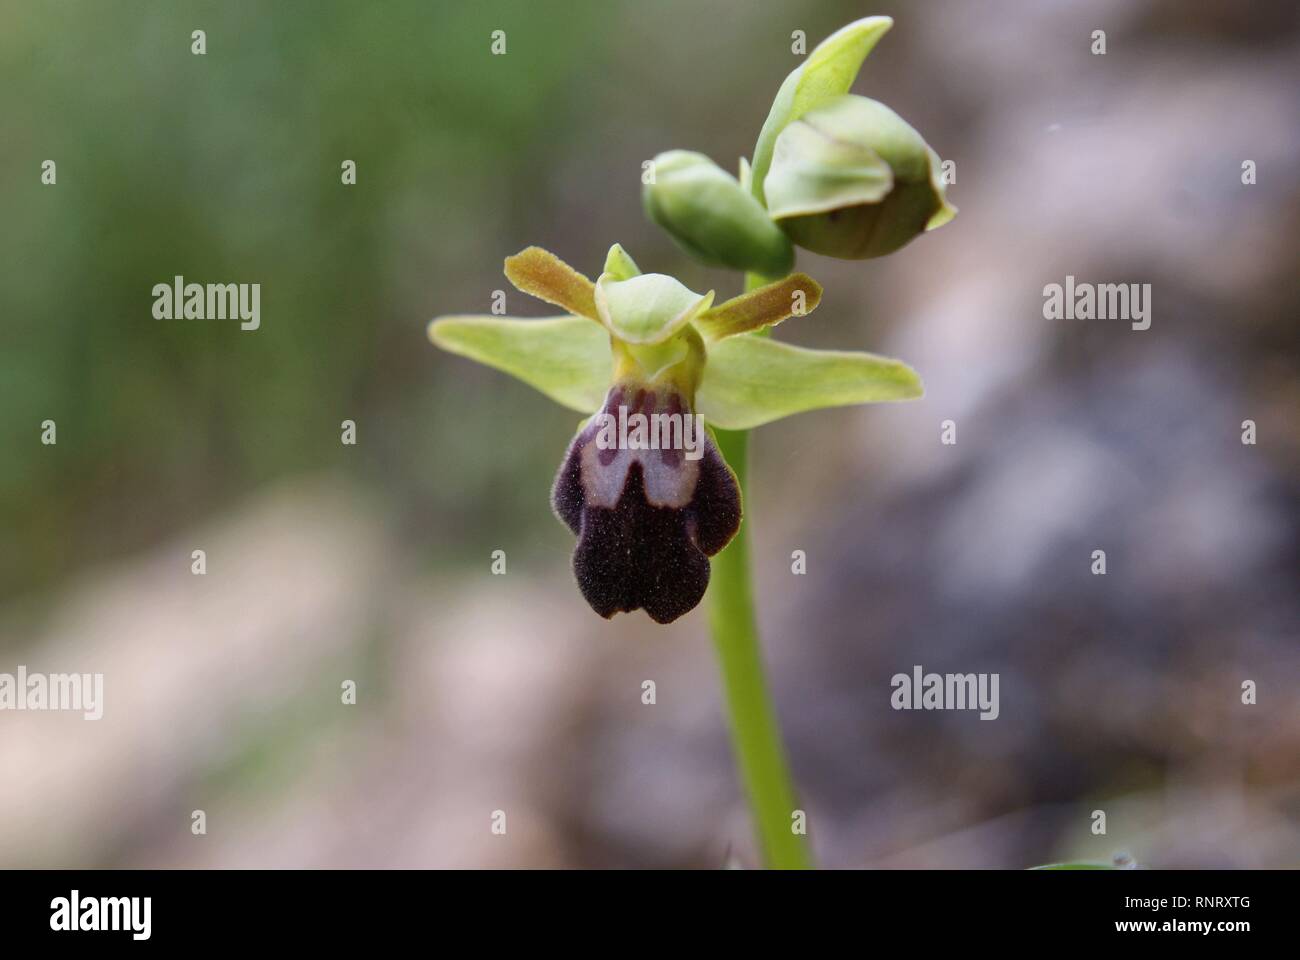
{"points": [[833, 173], [647, 519]]}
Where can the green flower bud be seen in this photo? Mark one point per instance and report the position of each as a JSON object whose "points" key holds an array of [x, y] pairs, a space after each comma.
{"points": [[712, 217], [852, 179]]}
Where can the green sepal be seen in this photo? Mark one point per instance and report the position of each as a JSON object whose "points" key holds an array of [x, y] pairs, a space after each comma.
{"points": [[566, 358], [946, 210], [813, 172], [828, 72], [750, 380]]}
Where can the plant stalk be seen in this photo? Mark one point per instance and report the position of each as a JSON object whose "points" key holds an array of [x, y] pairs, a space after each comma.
{"points": [[755, 732]]}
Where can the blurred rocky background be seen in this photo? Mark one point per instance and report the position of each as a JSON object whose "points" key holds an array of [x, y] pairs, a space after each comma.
{"points": [[371, 562]]}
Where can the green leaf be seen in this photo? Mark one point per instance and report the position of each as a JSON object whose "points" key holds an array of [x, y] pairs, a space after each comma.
{"points": [[620, 265], [648, 308], [566, 358], [545, 276], [751, 380], [765, 307], [828, 72]]}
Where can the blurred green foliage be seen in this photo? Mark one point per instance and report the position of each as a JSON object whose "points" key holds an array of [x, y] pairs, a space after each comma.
{"points": [[226, 168]]}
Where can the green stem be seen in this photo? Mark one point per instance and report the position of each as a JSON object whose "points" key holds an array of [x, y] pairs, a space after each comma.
{"points": [[755, 733]]}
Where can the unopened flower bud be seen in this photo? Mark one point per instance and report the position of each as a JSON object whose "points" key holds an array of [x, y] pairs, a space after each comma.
{"points": [[712, 217], [852, 179]]}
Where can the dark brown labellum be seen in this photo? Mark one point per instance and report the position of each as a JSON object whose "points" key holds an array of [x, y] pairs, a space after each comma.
{"points": [[647, 519]]}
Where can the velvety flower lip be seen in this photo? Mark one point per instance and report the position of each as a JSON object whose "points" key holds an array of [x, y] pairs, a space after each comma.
{"points": [[646, 520]]}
